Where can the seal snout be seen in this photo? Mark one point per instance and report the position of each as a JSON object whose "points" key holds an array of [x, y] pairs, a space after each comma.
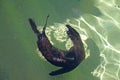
{"points": [[67, 25]]}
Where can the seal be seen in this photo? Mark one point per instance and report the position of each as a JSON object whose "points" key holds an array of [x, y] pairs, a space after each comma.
{"points": [[68, 60]]}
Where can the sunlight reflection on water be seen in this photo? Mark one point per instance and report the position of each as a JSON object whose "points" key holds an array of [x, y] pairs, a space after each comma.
{"points": [[101, 29]]}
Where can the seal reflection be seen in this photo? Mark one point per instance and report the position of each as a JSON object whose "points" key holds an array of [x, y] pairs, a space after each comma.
{"points": [[68, 60]]}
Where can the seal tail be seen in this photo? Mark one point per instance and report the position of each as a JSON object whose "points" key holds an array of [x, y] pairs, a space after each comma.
{"points": [[34, 27]]}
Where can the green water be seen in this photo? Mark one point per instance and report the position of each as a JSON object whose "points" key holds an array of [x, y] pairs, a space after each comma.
{"points": [[97, 21]]}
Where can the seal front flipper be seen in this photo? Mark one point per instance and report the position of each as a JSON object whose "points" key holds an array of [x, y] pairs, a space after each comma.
{"points": [[70, 54], [61, 71]]}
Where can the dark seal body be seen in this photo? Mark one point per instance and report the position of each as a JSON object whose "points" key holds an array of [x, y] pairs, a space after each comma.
{"points": [[68, 60]]}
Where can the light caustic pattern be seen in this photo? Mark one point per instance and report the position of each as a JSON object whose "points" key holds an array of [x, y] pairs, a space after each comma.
{"points": [[103, 29], [109, 69]]}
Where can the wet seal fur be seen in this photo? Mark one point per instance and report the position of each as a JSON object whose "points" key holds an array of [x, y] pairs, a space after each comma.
{"points": [[68, 60]]}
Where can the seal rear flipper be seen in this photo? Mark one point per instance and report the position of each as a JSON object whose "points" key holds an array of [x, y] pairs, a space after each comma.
{"points": [[33, 25], [61, 71]]}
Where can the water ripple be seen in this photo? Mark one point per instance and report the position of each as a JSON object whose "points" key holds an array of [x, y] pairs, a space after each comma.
{"points": [[104, 30]]}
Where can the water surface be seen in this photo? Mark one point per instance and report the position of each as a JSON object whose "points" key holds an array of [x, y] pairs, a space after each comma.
{"points": [[97, 21]]}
